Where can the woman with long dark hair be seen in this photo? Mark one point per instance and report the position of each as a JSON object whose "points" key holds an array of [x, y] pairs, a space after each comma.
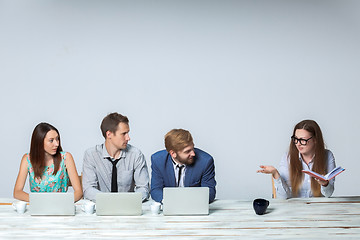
{"points": [[49, 168], [306, 152]]}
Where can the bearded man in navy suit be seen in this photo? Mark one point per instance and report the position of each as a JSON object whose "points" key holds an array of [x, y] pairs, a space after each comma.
{"points": [[181, 165]]}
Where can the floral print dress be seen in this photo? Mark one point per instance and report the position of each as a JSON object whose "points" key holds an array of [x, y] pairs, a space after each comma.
{"points": [[49, 182]]}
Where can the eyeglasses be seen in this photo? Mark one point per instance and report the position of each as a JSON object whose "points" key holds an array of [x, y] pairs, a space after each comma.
{"points": [[300, 140]]}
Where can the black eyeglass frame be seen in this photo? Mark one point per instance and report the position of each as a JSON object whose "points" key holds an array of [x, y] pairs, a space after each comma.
{"points": [[302, 141]]}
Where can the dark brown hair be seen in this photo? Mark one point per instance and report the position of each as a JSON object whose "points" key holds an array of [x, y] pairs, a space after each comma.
{"points": [[111, 122], [178, 139], [296, 174], [37, 151]]}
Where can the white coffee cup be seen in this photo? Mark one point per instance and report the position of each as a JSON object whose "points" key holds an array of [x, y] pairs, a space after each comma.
{"points": [[155, 208], [88, 207], [20, 206]]}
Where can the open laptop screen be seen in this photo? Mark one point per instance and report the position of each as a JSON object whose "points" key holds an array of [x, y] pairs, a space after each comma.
{"points": [[119, 204], [186, 201], [51, 203]]}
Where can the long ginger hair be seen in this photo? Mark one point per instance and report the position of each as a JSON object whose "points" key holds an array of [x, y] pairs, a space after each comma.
{"points": [[319, 165]]}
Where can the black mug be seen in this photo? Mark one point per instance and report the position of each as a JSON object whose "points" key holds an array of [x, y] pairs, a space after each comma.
{"points": [[260, 205]]}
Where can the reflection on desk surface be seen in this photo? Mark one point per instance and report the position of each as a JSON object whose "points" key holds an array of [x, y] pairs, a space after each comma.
{"points": [[315, 218]]}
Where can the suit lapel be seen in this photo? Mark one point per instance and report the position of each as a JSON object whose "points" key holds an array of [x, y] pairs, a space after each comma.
{"points": [[170, 171], [189, 171]]}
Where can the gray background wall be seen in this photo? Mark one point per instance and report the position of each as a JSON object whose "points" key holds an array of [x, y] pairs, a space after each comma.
{"points": [[238, 74]]}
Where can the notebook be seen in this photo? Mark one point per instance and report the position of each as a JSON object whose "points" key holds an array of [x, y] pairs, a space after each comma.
{"points": [[186, 201], [51, 203], [119, 204]]}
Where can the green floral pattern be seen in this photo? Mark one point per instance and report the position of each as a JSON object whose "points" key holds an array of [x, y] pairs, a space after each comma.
{"points": [[49, 182]]}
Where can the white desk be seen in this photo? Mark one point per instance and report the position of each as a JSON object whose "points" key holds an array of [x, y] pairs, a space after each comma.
{"points": [[317, 218]]}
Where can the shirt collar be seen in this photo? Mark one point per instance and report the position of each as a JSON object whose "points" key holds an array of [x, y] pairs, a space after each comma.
{"points": [[177, 164], [302, 160], [107, 155]]}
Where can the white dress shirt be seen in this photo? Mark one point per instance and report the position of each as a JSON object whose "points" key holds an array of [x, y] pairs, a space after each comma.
{"points": [[283, 184], [176, 171]]}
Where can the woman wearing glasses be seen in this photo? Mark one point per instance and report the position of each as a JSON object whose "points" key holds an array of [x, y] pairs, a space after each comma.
{"points": [[307, 152]]}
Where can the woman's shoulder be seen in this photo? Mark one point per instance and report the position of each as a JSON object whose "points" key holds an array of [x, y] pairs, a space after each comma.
{"points": [[25, 157], [65, 155], [285, 160], [329, 153], [285, 156], [25, 160]]}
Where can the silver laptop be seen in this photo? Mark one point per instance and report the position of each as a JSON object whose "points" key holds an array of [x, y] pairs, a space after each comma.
{"points": [[186, 201], [52, 203], [119, 204]]}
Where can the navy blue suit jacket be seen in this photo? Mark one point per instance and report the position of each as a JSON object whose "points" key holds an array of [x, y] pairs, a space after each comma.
{"points": [[200, 174]]}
